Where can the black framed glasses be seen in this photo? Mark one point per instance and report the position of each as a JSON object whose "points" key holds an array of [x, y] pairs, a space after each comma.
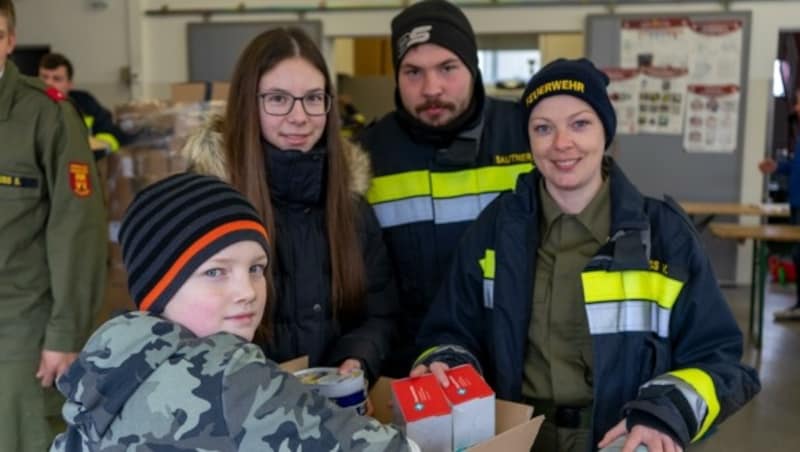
{"points": [[278, 103]]}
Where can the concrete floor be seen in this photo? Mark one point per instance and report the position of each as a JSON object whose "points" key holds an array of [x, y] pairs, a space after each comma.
{"points": [[771, 422]]}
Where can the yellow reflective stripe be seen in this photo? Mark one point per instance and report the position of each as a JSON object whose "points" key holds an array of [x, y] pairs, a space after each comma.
{"points": [[501, 178], [89, 121], [704, 386], [487, 264], [399, 186], [113, 144], [474, 181], [602, 286], [425, 354]]}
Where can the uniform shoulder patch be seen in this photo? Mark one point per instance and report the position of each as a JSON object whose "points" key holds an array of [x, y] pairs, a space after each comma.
{"points": [[79, 180], [55, 94]]}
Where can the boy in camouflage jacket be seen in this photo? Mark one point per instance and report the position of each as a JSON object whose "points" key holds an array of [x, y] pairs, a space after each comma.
{"points": [[182, 374]]}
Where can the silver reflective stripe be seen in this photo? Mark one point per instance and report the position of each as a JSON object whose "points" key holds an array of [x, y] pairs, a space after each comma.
{"points": [[488, 293], [404, 211], [697, 403], [462, 208], [622, 316]]}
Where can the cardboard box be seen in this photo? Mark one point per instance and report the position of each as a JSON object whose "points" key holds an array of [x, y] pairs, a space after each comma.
{"points": [[472, 402], [188, 92], [514, 429], [152, 162], [199, 91], [220, 90], [120, 195], [423, 412]]}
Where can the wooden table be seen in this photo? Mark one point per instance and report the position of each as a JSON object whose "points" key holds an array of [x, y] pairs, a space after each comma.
{"points": [[760, 234], [712, 209]]}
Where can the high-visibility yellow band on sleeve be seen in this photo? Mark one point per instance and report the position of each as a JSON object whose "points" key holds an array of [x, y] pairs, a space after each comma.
{"points": [[704, 386]]}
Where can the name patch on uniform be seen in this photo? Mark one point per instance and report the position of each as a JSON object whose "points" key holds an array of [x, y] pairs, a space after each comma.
{"points": [[658, 266], [79, 179], [8, 180], [521, 157], [556, 85]]}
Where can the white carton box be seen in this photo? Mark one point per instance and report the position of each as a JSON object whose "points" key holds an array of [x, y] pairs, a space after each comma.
{"points": [[423, 412], [472, 402]]}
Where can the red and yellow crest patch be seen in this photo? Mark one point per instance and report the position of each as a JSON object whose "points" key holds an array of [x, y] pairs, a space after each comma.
{"points": [[79, 180]]}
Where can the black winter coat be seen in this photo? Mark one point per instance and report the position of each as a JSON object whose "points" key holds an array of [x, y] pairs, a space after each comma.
{"points": [[302, 314]]}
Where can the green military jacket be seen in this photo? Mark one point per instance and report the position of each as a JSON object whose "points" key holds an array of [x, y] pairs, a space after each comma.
{"points": [[52, 222]]}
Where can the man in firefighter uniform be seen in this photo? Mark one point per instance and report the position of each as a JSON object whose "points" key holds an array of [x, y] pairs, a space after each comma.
{"points": [[439, 158], [57, 71], [52, 246], [577, 294]]}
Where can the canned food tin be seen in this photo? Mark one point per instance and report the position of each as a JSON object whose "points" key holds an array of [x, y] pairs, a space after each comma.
{"points": [[347, 391]]}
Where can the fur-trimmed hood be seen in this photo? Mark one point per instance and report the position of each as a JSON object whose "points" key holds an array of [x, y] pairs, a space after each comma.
{"points": [[204, 152]]}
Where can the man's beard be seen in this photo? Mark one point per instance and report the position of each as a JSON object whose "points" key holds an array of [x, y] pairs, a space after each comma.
{"points": [[448, 106]]}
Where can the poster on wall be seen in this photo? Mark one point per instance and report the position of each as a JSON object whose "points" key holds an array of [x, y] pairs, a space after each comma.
{"points": [[662, 92], [655, 42], [715, 52], [712, 117], [623, 90]]}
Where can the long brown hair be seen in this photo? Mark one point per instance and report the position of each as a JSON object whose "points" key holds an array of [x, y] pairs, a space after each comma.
{"points": [[248, 165]]}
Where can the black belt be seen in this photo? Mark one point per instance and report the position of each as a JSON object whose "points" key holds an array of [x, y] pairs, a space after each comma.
{"points": [[561, 416]]}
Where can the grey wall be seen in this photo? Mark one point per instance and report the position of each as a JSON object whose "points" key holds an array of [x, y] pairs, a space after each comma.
{"points": [[658, 164], [214, 47]]}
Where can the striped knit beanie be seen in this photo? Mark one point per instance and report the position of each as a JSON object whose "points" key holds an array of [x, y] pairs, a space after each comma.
{"points": [[174, 226]]}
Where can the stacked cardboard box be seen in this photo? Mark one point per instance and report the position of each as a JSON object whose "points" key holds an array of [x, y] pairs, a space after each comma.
{"points": [[159, 129], [513, 428]]}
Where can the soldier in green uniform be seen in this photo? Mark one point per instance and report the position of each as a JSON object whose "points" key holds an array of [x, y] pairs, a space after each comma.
{"points": [[52, 245]]}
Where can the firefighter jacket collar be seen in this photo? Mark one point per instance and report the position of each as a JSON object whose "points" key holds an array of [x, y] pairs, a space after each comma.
{"points": [[627, 214]]}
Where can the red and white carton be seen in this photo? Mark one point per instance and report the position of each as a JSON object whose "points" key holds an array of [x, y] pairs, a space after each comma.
{"points": [[422, 410], [472, 402]]}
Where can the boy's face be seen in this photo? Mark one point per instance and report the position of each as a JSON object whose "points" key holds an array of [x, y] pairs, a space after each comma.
{"points": [[228, 292], [7, 41]]}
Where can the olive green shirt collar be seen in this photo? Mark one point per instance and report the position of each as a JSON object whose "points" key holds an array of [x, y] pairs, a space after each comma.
{"points": [[595, 217]]}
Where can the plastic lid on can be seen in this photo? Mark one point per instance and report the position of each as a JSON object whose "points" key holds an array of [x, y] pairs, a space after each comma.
{"points": [[329, 383]]}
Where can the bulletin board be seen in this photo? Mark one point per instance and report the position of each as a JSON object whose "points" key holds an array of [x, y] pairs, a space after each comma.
{"points": [[214, 47], [679, 85]]}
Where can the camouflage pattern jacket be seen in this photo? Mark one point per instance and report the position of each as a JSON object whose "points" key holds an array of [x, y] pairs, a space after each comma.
{"points": [[144, 383]]}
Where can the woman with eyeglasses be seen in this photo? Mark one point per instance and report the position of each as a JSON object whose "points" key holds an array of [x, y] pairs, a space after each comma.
{"points": [[280, 145]]}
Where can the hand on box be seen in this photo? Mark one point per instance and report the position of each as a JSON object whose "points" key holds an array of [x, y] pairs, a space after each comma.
{"points": [[349, 365], [52, 364], [650, 437], [437, 368]]}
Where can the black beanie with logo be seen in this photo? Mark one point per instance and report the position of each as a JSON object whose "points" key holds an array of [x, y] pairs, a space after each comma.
{"points": [[435, 22], [578, 78]]}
